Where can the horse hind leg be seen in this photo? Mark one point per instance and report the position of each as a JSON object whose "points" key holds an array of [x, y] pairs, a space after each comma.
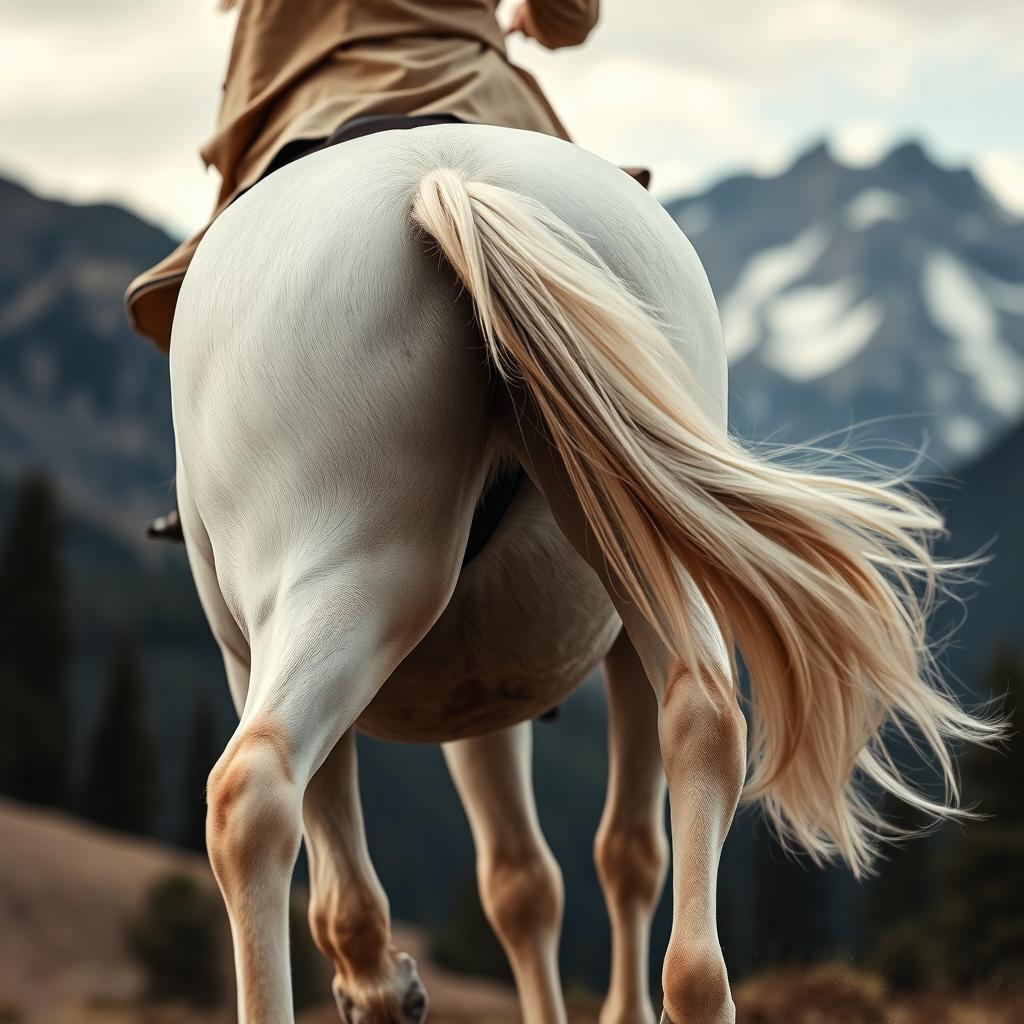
{"points": [[307, 663], [701, 737], [327, 619], [334, 450], [317, 660], [519, 879], [348, 909]]}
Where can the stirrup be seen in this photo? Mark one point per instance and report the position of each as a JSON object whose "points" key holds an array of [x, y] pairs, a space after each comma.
{"points": [[166, 528]]}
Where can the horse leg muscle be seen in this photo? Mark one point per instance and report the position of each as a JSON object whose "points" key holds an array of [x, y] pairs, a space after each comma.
{"points": [[520, 883], [234, 647]]}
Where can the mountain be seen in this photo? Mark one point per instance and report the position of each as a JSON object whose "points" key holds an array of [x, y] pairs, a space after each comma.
{"points": [[893, 291], [983, 511], [80, 396], [847, 294]]}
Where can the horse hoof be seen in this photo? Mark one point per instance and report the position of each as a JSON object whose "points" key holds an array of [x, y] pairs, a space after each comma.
{"points": [[402, 1001], [414, 1001]]}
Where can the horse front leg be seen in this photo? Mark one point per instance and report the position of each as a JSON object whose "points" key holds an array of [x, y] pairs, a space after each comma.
{"points": [[349, 914], [520, 882]]}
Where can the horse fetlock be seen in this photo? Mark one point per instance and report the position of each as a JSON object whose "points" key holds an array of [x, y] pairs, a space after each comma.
{"points": [[522, 894], [696, 985], [398, 998], [351, 928]]}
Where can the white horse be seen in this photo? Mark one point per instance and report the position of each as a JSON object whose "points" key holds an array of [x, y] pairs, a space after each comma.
{"points": [[361, 339]]}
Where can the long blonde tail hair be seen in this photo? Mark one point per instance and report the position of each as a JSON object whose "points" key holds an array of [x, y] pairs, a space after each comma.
{"points": [[823, 583]]}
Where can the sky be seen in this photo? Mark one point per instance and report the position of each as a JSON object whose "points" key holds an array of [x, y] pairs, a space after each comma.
{"points": [[110, 99]]}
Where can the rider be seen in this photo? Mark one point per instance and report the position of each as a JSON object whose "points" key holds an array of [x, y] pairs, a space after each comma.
{"points": [[303, 75]]}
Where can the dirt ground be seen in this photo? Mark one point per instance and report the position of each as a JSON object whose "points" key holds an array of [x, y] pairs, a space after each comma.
{"points": [[67, 891]]}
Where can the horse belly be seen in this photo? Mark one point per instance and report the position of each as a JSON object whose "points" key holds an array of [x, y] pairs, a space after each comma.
{"points": [[527, 622]]}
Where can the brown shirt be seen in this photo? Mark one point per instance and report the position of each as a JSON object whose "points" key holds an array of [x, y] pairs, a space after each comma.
{"points": [[300, 68]]}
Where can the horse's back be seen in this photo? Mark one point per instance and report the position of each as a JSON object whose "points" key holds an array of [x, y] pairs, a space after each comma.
{"points": [[336, 225]]}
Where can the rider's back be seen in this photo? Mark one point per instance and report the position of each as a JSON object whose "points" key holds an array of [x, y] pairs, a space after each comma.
{"points": [[299, 69], [385, 56]]}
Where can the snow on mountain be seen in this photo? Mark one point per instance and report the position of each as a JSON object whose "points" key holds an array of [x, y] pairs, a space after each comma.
{"points": [[798, 320], [892, 293], [871, 206], [765, 275], [966, 315]]}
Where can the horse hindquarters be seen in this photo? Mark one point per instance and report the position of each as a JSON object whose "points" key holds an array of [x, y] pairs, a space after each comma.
{"points": [[331, 461]]}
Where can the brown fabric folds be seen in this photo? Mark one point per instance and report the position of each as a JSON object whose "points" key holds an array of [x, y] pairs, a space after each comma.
{"points": [[299, 69]]}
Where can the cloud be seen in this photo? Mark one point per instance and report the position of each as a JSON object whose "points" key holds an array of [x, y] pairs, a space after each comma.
{"points": [[112, 98], [732, 84], [662, 115], [866, 40], [862, 141], [111, 101], [1002, 171]]}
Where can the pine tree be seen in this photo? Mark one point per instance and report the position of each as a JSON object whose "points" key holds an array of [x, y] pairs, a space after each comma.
{"points": [[791, 906], [200, 756], [467, 942], [120, 787], [981, 920], [993, 778], [179, 938], [35, 645], [966, 929]]}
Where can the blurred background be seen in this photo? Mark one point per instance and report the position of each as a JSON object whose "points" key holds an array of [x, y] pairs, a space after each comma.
{"points": [[851, 172]]}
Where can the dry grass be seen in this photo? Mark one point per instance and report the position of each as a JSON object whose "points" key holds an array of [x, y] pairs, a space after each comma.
{"points": [[838, 994], [828, 994]]}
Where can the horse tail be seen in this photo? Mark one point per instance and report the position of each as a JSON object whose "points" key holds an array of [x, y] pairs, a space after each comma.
{"points": [[823, 583]]}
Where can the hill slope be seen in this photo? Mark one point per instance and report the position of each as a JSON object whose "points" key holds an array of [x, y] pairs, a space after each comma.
{"points": [[66, 893], [984, 511]]}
